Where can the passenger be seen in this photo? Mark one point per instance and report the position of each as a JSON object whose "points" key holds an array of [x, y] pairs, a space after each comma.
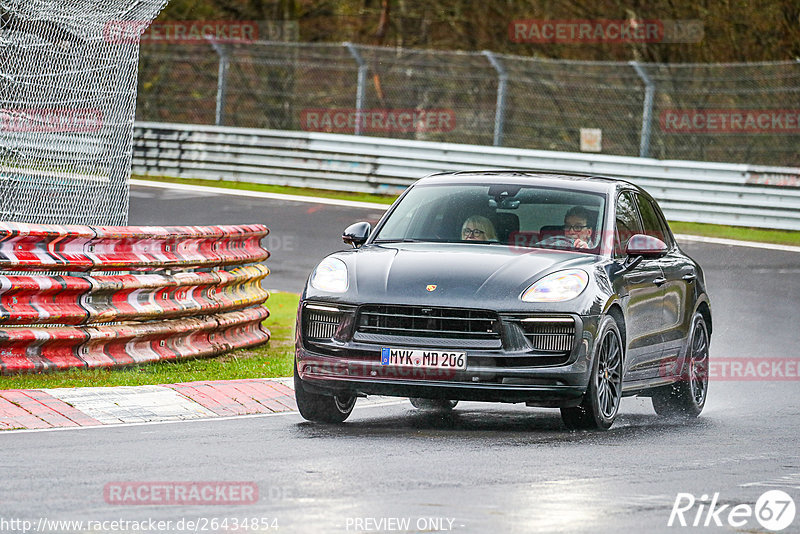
{"points": [[576, 227], [478, 228]]}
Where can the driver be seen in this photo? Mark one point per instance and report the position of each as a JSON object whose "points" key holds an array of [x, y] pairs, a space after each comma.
{"points": [[576, 227]]}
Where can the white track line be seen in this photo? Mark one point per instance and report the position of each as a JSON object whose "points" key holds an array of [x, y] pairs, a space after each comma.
{"points": [[384, 207]]}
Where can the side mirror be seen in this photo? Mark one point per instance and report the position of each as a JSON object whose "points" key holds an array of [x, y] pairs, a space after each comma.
{"points": [[356, 234], [646, 245]]}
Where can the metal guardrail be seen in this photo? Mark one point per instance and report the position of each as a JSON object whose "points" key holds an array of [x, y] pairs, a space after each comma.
{"points": [[124, 319], [719, 193]]}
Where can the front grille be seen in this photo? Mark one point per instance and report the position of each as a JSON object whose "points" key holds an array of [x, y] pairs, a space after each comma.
{"points": [[428, 322], [550, 334], [321, 323]]}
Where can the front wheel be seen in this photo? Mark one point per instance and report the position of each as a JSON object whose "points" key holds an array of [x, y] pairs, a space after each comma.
{"points": [[321, 408], [687, 397], [437, 405], [600, 404]]}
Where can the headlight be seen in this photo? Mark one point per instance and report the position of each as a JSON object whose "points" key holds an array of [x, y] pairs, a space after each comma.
{"points": [[557, 287], [330, 275]]}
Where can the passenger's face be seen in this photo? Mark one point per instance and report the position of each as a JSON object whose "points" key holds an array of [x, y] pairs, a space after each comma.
{"points": [[473, 232], [576, 228]]}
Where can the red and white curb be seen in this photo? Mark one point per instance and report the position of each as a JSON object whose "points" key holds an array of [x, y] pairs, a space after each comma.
{"points": [[95, 406]]}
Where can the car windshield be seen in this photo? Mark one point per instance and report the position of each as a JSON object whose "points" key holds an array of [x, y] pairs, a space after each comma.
{"points": [[504, 214]]}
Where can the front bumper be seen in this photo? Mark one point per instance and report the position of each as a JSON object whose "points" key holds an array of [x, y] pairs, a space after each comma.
{"points": [[355, 369]]}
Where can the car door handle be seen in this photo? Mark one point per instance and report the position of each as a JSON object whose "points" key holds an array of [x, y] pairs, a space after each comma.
{"points": [[659, 281], [689, 277]]}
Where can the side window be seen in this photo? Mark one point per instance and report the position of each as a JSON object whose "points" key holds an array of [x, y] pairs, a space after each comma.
{"points": [[628, 223], [653, 223]]}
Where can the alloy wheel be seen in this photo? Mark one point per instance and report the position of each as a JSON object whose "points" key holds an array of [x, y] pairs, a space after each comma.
{"points": [[609, 375], [698, 364]]}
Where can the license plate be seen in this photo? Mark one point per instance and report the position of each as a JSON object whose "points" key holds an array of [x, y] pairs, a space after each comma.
{"points": [[426, 359]]}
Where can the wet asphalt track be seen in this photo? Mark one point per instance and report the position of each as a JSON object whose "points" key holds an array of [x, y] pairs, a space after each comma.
{"points": [[485, 467]]}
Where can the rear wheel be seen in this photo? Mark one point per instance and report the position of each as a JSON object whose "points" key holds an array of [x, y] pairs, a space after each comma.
{"points": [[687, 397], [321, 408], [439, 405], [600, 404]]}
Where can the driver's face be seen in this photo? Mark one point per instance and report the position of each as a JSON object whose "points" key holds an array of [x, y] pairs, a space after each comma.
{"points": [[576, 228]]}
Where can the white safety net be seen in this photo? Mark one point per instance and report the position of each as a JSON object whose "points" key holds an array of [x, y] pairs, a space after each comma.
{"points": [[67, 102]]}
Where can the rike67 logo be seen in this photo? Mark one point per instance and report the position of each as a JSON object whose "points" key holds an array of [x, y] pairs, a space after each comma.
{"points": [[774, 510]]}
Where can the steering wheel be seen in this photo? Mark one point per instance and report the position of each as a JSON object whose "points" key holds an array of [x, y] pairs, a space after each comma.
{"points": [[557, 241]]}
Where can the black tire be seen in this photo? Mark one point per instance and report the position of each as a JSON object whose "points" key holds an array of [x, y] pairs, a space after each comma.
{"points": [[321, 408], [438, 405], [687, 397], [600, 404]]}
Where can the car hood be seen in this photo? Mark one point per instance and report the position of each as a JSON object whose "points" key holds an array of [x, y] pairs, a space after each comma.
{"points": [[463, 274]]}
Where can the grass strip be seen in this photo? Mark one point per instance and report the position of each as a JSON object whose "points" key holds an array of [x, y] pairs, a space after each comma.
{"points": [[761, 235], [282, 189]]}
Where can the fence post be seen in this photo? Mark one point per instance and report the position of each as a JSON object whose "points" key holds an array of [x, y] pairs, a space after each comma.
{"points": [[500, 107], [362, 81], [647, 110], [222, 82]]}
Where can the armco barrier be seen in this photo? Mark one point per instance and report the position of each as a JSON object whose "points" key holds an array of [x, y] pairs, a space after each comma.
{"points": [[31, 350], [130, 248], [155, 312], [694, 191], [38, 299]]}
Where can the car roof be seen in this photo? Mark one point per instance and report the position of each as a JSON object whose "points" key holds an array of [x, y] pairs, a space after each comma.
{"points": [[569, 180]]}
